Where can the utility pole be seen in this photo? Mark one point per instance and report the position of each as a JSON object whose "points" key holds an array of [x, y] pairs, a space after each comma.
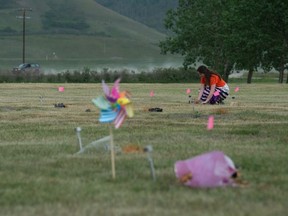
{"points": [[23, 17]]}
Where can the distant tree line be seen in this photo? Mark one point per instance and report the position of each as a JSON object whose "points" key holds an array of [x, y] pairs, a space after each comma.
{"points": [[86, 75], [159, 75]]}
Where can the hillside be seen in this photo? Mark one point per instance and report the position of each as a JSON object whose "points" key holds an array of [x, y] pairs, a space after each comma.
{"points": [[62, 33], [150, 12]]}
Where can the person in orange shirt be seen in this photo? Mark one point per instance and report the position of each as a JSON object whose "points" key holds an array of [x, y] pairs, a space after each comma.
{"points": [[213, 88]]}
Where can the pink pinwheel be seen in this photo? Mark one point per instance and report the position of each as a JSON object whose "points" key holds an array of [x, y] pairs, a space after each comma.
{"points": [[112, 95], [115, 106], [213, 169]]}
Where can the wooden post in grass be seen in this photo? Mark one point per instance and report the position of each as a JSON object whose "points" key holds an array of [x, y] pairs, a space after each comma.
{"points": [[112, 153]]}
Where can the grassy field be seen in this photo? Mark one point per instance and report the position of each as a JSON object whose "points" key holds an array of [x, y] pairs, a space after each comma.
{"points": [[41, 175]]}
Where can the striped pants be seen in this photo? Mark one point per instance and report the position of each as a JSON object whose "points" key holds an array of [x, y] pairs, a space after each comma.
{"points": [[223, 93]]}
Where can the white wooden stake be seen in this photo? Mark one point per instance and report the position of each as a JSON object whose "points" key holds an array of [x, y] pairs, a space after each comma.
{"points": [[112, 153], [149, 150], [78, 130]]}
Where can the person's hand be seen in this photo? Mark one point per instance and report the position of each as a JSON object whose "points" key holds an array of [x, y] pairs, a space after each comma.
{"points": [[204, 102]]}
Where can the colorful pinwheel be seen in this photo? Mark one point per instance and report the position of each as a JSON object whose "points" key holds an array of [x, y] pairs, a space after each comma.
{"points": [[115, 105]]}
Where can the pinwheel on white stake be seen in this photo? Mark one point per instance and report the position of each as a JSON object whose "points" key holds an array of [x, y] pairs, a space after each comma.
{"points": [[114, 107]]}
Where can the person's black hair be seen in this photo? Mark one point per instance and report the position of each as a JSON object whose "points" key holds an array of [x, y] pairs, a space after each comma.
{"points": [[207, 73]]}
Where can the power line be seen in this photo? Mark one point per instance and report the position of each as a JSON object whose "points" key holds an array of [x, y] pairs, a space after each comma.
{"points": [[23, 17]]}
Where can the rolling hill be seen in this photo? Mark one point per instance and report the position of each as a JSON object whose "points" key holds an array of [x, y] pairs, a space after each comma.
{"points": [[149, 12], [64, 34]]}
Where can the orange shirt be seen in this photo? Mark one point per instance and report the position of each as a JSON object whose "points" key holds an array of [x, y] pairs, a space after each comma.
{"points": [[214, 80]]}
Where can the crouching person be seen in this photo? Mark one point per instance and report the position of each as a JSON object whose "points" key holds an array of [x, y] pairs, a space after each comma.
{"points": [[213, 88]]}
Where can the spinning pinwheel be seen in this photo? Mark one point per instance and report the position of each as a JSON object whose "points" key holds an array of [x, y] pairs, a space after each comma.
{"points": [[114, 107]]}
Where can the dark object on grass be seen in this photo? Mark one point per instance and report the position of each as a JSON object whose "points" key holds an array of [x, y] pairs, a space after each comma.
{"points": [[233, 97], [190, 99], [60, 105], [156, 109], [87, 110], [221, 102]]}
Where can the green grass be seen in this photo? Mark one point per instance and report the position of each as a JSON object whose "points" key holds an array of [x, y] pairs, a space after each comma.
{"points": [[41, 175]]}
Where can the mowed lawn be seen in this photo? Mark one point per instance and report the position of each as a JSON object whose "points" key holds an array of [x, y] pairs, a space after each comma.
{"points": [[40, 174]]}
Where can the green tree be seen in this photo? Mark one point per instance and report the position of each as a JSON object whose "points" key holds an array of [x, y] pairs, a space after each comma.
{"points": [[225, 33], [197, 33], [243, 37], [274, 20], [259, 31]]}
